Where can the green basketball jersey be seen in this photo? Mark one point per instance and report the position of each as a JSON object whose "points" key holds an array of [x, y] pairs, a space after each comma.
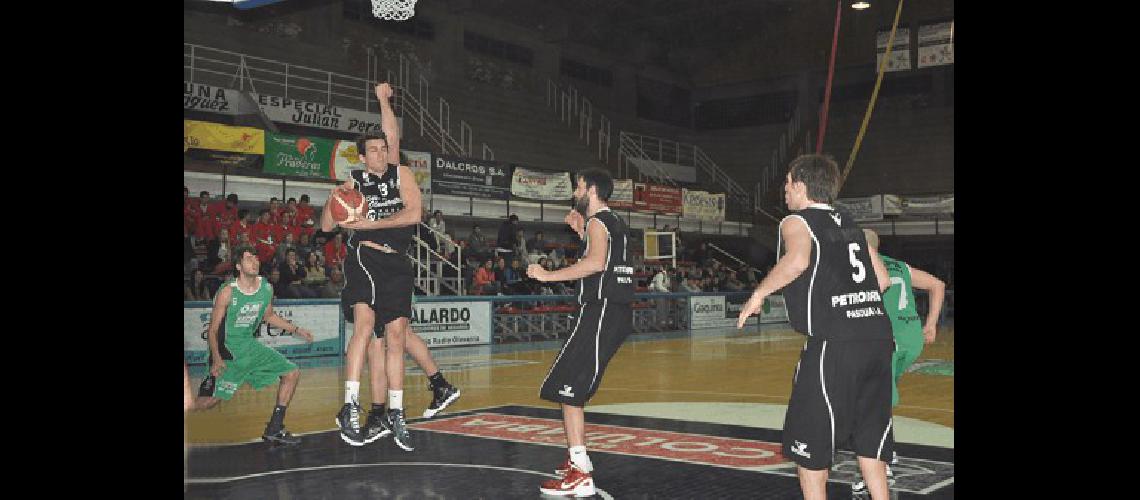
{"points": [[244, 314], [898, 300]]}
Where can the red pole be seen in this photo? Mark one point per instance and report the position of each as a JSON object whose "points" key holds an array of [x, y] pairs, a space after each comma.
{"points": [[830, 76]]}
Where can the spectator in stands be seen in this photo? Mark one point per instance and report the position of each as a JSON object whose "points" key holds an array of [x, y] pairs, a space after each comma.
{"points": [[520, 245], [537, 244], [558, 258], [477, 243], [507, 230], [305, 212], [243, 224], [315, 277], [275, 210], [707, 284], [196, 289], [691, 285], [447, 245], [275, 280], [200, 224], [262, 236], [484, 281], [222, 214], [436, 222], [286, 226], [284, 247], [304, 248], [731, 283], [513, 277], [660, 282], [218, 250], [291, 208], [335, 251], [332, 289], [293, 277]]}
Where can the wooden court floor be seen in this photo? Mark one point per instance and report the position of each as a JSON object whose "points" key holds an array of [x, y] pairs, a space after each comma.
{"points": [[713, 366]]}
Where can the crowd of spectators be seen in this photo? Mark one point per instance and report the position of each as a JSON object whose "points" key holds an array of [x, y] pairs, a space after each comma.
{"points": [[298, 259]]}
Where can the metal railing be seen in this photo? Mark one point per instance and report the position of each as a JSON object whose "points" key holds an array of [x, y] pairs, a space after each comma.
{"points": [[733, 257], [430, 272], [781, 154], [629, 147], [568, 104]]}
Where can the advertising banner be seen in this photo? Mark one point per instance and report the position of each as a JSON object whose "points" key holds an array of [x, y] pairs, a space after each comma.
{"points": [[321, 319], [453, 175]]}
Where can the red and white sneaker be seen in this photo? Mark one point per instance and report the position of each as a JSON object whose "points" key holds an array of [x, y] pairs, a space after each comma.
{"points": [[575, 484], [563, 468]]}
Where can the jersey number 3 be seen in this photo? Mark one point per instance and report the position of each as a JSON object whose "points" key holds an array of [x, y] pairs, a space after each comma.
{"points": [[860, 270]]}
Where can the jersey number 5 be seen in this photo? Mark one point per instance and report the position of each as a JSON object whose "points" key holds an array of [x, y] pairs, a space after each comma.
{"points": [[860, 271]]}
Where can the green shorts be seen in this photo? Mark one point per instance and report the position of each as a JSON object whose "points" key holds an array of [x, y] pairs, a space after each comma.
{"points": [[258, 364]]}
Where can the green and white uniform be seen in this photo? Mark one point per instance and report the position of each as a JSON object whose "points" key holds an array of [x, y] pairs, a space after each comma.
{"points": [[906, 325], [247, 360]]}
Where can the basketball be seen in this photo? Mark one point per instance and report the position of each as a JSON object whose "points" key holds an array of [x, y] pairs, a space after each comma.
{"points": [[347, 206]]}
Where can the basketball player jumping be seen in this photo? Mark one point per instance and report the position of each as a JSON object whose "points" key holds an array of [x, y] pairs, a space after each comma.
{"points": [[906, 325], [378, 276], [237, 357], [605, 319], [832, 281]]}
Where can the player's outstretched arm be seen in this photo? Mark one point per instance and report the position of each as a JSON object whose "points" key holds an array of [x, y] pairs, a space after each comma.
{"points": [[937, 289], [797, 259], [278, 322], [594, 261]]}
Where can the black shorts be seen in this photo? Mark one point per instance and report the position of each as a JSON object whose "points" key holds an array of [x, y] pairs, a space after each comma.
{"points": [[848, 408], [381, 280], [577, 371]]}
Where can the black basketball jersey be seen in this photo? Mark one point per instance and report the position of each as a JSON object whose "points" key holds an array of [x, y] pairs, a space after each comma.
{"points": [[382, 197], [837, 297], [615, 281]]}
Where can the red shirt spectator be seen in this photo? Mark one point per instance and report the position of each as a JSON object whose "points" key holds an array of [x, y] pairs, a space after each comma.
{"points": [[222, 214], [196, 214], [286, 226], [242, 225], [275, 210], [262, 237], [305, 213], [335, 251]]}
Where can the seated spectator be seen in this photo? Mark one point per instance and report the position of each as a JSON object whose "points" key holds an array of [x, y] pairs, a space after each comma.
{"points": [[304, 247], [315, 274], [293, 277], [222, 214], [284, 247], [244, 224], [275, 280], [286, 226], [507, 230], [275, 210], [484, 281], [196, 289], [520, 244], [332, 289], [218, 251], [305, 215], [514, 279], [732, 284], [203, 228], [262, 237], [335, 251], [447, 244], [691, 285], [537, 244], [436, 222], [558, 258], [660, 282], [477, 243]]}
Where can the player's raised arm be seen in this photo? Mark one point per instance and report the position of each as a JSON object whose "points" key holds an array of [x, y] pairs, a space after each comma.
{"points": [[937, 289], [388, 122]]}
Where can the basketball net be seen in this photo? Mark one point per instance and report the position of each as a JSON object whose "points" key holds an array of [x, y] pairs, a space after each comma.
{"points": [[394, 10]]}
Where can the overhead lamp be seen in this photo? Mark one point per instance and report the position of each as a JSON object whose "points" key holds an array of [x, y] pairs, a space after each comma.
{"points": [[860, 5]]}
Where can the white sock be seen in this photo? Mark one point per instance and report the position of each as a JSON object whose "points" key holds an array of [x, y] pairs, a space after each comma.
{"points": [[351, 391], [579, 458], [396, 400]]}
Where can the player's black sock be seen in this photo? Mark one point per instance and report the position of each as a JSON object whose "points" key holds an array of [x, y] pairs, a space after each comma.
{"points": [[437, 380], [277, 420], [378, 408]]}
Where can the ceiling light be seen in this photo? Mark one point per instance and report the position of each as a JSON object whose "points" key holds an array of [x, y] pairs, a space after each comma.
{"points": [[860, 5]]}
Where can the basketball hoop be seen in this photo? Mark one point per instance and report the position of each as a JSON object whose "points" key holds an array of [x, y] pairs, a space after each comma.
{"points": [[394, 10]]}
